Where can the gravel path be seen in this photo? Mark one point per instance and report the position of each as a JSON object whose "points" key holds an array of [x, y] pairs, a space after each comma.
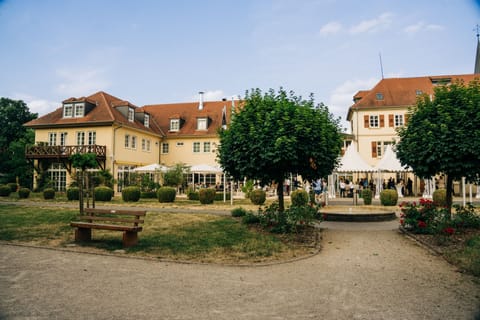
{"points": [[364, 271]]}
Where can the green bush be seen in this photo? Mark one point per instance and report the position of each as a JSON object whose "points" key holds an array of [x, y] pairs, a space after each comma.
{"points": [[13, 186], [73, 193], [258, 196], [131, 194], [206, 195], [367, 196], [239, 212], [148, 195], [5, 190], [23, 193], [166, 194], [250, 218], [299, 198], [388, 197], [103, 193], [219, 196], [48, 193], [440, 197], [192, 194]]}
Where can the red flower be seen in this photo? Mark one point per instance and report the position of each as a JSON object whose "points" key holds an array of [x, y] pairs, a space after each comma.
{"points": [[402, 222], [449, 231], [421, 224]]}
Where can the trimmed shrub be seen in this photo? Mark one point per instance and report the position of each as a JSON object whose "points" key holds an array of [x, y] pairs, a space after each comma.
{"points": [[367, 196], [250, 218], [5, 190], [299, 198], [238, 212], [193, 195], [13, 186], [388, 197], [23, 193], [166, 194], [219, 196], [103, 193], [206, 195], [258, 196], [440, 197], [131, 194], [73, 193], [48, 193], [148, 195]]}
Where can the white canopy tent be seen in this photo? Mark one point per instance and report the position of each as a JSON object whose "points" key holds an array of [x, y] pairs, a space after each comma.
{"points": [[204, 169], [152, 168], [389, 163]]}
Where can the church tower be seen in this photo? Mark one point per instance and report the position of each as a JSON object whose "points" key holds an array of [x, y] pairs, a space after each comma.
{"points": [[477, 57]]}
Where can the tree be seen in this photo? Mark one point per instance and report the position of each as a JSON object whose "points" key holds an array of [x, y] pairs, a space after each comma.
{"points": [[13, 139], [443, 135], [277, 133], [83, 162], [174, 176]]}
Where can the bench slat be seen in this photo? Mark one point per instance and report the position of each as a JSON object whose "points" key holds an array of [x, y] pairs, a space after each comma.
{"points": [[115, 219], [112, 211], [105, 226]]}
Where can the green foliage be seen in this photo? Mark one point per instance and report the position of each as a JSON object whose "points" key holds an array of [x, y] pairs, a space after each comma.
{"points": [[239, 212], [103, 193], [440, 197], [48, 193], [466, 217], [206, 195], [5, 190], [258, 196], [148, 195], [175, 176], [73, 193], [23, 193], [219, 196], [367, 196], [299, 198], [192, 194], [250, 218], [13, 186], [275, 133], [131, 194], [166, 194], [104, 177], [247, 188], [388, 197], [271, 218], [84, 160]]}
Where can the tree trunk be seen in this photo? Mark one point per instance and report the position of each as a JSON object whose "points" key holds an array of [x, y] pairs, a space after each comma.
{"points": [[281, 206], [80, 191], [449, 195]]}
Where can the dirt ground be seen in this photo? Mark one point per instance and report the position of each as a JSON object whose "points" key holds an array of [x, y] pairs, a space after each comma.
{"points": [[364, 271]]}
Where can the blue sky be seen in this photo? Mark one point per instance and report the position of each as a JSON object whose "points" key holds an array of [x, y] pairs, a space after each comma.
{"points": [[150, 52]]}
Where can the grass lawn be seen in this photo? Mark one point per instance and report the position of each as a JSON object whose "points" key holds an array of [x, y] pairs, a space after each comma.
{"points": [[192, 237]]}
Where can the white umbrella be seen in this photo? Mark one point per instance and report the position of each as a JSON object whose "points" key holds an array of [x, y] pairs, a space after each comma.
{"points": [[205, 168], [152, 168]]}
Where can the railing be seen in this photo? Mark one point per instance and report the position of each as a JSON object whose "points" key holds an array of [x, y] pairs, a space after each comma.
{"points": [[47, 152]]}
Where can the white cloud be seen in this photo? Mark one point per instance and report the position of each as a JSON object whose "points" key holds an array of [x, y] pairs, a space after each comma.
{"points": [[212, 95], [331, 28], [81, 82], [421, 26], [37, 105], [372, 25]]}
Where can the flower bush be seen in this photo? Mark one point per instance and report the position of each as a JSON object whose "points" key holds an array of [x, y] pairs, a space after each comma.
{"points": [[288, 221], [422, 217]]}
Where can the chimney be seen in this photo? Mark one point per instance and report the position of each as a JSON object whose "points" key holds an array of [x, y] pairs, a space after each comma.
{"points": [[200, 105]]}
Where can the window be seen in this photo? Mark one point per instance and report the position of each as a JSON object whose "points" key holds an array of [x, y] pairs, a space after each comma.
{"points": [[63, 138], [164, 148], [373, 121], [196, 147], [145, 145], [379, 149], [206, 147], [398, 120], [58, 176], [127, 141], [418, 92], [202, 123], [124, 176], [134, 142], [146, 120], [148, 145], [67, 110], [174, 124], [379, 96], [79, 110], [52, 138], [80, 138], [131, 114], [179, 144], [92, 137]]}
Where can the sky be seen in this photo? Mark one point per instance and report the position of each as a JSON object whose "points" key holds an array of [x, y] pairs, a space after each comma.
{"points": [[153, 52]]}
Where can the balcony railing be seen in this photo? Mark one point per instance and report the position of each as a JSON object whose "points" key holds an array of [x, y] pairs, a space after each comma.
{"points": [[64, 152]]}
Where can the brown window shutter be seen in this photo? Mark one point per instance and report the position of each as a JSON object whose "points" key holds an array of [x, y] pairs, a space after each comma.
{"points": [[390, 120], [406, 118], [374, 149], [366, 121], [382, 121]]}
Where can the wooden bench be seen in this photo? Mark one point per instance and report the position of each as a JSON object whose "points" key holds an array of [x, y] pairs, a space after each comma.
{"points": [[127, 221]]}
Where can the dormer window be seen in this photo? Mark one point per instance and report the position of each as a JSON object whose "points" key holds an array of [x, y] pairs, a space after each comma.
{"points": [[379, 96], [174, 124], [79, 110], [418, 92], [68, 110], [131, 114], [202, 123], [146, 120]]}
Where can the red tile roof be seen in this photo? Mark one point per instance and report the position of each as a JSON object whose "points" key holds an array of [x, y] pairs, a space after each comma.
{"points": [[401, 92], [104, 113]]}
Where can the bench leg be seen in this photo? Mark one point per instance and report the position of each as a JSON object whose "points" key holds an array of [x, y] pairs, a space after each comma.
{"points": [[130, 239], [83, 234]]}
